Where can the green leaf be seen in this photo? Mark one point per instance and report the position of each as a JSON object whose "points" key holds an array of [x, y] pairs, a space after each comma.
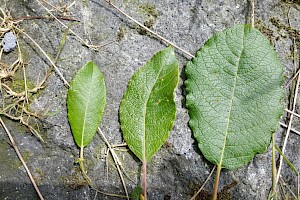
{"points": [[234, 95], [147, 110], [86, 103], [136, 193]]}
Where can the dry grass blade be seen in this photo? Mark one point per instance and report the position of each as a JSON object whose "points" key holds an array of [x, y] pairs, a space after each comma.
{"points": [[93, 47], [22, 160], [149, 30], [252, 12], [293, 130], [291, 112], [287, 161], [116, 160], [201, 188], [45, 54], [289, 189], [291, 118], [17, 101], [292, 79]]}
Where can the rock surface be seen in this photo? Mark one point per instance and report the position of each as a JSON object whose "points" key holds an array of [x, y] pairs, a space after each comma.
{"points": [[178, 170]]}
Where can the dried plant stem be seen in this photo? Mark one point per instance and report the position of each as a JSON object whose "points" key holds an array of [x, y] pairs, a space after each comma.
{"points": [[216, 185], [290, 120], [252, 13], [45, 54], [22, 121], [293, 130], [289, 111], [43, 17], [274, 185], [207, 179], [115, 158], [71, 31], [292, 79], [149, 30], [22, 160], [87, 178], [24, 72], [298, 182]]}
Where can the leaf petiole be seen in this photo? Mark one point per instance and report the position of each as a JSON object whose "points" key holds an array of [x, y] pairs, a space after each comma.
{"points": [[219, 167], [144, 179]]}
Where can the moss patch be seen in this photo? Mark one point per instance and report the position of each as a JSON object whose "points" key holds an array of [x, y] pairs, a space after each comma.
{"points": [[292, 1], [285, 29], [9, 160], [121, 33], [75, 180], [267, 31], [149, 9], [18, 85]]}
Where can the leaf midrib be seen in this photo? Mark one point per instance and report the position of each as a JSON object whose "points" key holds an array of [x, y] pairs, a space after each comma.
{"points": [[231, 103], [145, 111], [89, 99]]}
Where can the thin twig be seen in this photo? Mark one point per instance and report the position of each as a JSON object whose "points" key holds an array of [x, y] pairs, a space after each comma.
{"points": [[45, 54], [81, 40], [289, 111], [298, 182], [289, 189], [290, 121], [293, 130], [13, 143], [22, 121], [274, 185], [43, 17], [149, 30], [292, 79], [294, 53], [203, 185], [115, 158]]}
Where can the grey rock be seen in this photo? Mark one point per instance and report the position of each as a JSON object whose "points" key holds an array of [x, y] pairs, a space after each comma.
{"points": [[9, 42], [178, 169]]}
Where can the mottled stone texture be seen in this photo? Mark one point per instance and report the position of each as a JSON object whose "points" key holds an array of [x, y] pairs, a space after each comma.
{"points": [[178, 169]]}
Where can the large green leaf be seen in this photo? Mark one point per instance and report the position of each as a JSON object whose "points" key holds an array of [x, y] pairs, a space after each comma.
{"points": [[86, 103], [234, 95], [147, 110]]}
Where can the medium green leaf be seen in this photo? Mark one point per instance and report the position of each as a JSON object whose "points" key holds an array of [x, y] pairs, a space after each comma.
{"points": [[147, 110], [234, 95], [86, 103]]}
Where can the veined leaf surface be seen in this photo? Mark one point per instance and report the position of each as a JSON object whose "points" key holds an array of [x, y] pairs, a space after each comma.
{"points": [[234, 95], [147, 110], [86, 103]]}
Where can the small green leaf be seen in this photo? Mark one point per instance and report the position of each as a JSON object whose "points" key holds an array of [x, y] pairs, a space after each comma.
{"points": [[234, 95], [147, 110], [136, 193], [86, 103]]}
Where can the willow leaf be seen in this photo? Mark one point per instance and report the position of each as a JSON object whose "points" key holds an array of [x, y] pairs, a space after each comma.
{"points": [[86, 103], [147, 110], [234, 95]]}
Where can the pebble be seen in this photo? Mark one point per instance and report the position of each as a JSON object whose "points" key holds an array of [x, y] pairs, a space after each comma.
{"points": [[9, 42]]}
